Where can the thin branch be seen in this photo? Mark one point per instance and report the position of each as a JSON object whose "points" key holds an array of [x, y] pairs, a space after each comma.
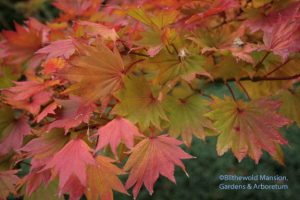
{"points": [[254, 79], [128, 68], [257, 66], [283, 78], [277, 68], [175, 49], [231, 91], [198, 91], [244, 89], [138, 54]]}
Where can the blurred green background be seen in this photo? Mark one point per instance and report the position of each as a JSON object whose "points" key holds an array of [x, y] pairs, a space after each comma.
{"points": [[204, 171]]}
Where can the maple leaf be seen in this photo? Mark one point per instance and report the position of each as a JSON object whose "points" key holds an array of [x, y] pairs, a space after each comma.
{"points": [[116, 131], [258, 20], [41, 150], [290, 105], [60, 48], [71, 160], [281, 30], [52, 65], [185, 111], [78, 7], [46, 145], [7, 76], [247, 127], [218, 7], [102, 179], [283, 39], [228, 68], [157, 20], [12, 130], [153, 157], [139, 103], [73, 187], [96, 29], [8, 181], [157, 32], [45, 192], [96, 72], [266, 88], [21, 44], [74, 111], [47, 110], [182, 65], [28, 95], [36, 178]]}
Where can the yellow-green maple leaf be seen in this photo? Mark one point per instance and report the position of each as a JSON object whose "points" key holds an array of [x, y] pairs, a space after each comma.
{"points": [[139, 103], [185, 110], [290, 107], [247, 127], [170, 66]]}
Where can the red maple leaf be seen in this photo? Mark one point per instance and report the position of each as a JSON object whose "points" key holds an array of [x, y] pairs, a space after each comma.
{"points": [[114, 132], [78, 7], [153, 157], [218, 7], [71, 160], [284, 38], [36, 177], [46, 111], [18, 46], [266, 22], [41, 150], [46, 145], [28, 95], [73, 187], [73, 112], [13, 132], [60, 48]]}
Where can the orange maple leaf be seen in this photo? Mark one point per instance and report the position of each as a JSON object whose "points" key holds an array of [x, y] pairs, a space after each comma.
{"points": [[152, 157], [102, 179], [96, 72], [8, 180]]}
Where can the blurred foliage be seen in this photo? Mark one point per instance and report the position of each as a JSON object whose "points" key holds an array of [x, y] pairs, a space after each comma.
{"points": [[19, 10]]}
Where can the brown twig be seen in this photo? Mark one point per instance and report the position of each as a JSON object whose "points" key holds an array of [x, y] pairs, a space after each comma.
{"points": [[231, 91], [277, 68], [254, 79], [257, 66], [138, 54], [128, 68], [244, 89]]}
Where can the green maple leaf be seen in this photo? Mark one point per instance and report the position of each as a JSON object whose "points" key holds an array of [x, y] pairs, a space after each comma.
{"points": [[157, 20], [140, 103], [185, 110], [290, 107], [170, 66]]}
